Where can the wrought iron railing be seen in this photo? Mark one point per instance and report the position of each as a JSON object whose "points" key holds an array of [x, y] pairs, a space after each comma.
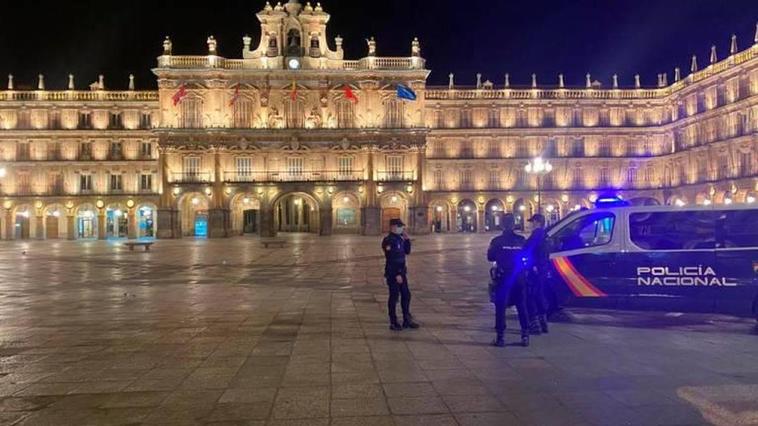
{"points": [[293, 176]]}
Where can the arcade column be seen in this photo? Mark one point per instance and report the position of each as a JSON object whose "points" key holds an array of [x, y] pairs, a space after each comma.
{"points": [[70, 226], [131, 231], [480, 220], [39, 231], [169, 224], [325, 218], [101, 224], [10, 225], [268, 229]]}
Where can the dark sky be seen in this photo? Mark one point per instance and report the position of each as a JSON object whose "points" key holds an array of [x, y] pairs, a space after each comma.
{"points": [[493, 37]]}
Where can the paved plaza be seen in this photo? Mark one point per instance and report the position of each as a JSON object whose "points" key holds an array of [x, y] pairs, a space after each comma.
{"points": [[226, 332]]}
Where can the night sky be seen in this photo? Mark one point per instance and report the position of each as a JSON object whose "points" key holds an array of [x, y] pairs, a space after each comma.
{"points": [[493, 37]]}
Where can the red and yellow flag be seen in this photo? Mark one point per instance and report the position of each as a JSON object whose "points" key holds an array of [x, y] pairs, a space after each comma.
{"points": [[293, 93], [236, 94], [349, 95], [180, 94]]}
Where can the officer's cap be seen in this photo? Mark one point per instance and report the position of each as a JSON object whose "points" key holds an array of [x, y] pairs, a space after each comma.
{"points": [[396, 222], [538, 218]]}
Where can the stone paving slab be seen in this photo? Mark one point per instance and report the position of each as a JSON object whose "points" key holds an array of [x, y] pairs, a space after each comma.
{"points": [[228, 333]]}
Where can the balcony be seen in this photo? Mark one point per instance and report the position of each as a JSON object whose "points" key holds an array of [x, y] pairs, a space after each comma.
{"points": [[395, 176], [290, 176], [191, 177], [56, 189]]}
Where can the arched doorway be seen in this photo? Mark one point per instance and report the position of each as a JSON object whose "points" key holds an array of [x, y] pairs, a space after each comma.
{"points": [[393, 207], [522, 211], [193, 212], [86, 222], [296, 212], [552, 212], [23, 225], [750, 197], [493, 215], [116, 221], [55, 222], [146, 220], [466, 218], [346, 213], [440, 216], [246, 215]]}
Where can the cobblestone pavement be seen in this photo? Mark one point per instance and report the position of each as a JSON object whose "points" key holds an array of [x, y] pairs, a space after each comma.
{"points": [[226, 332]]}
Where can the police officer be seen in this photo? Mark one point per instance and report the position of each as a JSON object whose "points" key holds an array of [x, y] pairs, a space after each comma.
{"points": [[539, 258], [396, 246], [507, 251]]}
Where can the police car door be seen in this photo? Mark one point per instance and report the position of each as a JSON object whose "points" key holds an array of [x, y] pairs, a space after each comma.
{"points": [[583, 254]]}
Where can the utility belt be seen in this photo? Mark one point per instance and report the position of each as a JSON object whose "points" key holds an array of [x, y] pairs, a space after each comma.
{"points": [[498, 278]]}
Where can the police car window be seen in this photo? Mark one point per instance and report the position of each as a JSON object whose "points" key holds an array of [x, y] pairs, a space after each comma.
{"points": [[738, 228], [682, 230], [587, 231]]}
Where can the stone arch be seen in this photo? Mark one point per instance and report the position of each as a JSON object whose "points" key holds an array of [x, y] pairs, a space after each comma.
{"points": [[724, 197], [749, 197], [394, 205], [346, 213], [441, 215], [25, 219], [245, 210], [54, 221], [146, 217], [523, 209], [296, 211], [193, 214], [116, 220], [86, 221], [467, 216], [703, 198], [552, 209], [494, 210]]}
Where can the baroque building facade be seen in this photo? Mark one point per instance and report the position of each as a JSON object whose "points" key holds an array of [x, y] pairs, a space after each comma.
{"points": [[293, 137]]}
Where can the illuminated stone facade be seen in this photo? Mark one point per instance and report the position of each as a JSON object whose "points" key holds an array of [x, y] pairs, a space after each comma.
{"points": [[293, 137]]}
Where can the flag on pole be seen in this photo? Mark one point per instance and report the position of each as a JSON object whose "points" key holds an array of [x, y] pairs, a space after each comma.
{"points": [[293, 93], [349, 95], [180, 94], [236, 94], [405, 92]]}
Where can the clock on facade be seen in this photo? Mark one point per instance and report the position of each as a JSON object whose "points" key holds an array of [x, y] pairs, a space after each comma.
{"points": [[293, 63]]}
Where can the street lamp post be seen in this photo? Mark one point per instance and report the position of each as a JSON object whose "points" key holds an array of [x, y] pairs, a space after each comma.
{"points": [[538, 167]]}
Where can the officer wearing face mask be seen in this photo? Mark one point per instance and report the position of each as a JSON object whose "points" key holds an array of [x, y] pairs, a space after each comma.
{"points": [[396, 246]]}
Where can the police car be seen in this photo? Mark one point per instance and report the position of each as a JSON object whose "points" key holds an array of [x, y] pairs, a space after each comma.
{"points": [[695, 259]]}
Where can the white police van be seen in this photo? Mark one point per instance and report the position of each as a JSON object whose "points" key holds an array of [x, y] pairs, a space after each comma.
{"points": [[699, 259]]}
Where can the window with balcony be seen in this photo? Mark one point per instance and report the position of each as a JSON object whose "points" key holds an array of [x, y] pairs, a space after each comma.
{"points": [[493, 149], [145, 121], [146, 150], [605, 176], [577, 177], [394, 114], [146, 182], [244, 167], [604, 150], [439, 119], [746, 163], [191, 113], [438, 180], [55, 184], [631, 175], [85, 121], [85, 151], [467, 149], [243, 113], [394, 166], [116, 183], [54, 151], [23, 152], [494, 180], [345, 166], [294, 114], [466, 118], [466, 183], [85, 183], [702, 169], [493, 118], [295, 166], [577, 148], [114, 121], [116, 151], [191, 167], [345, 114], [23, 184]]}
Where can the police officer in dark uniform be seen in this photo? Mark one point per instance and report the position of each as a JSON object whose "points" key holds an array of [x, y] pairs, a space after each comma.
{"points": [[539, 261], [507, 251], [396, 246]]}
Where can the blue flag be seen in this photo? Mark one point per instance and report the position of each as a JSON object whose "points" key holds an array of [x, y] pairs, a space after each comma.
{"points": [[405, 92]]}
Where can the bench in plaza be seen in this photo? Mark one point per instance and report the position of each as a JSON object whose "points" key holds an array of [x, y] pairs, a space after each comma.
{"points": [[133, 244], [273, 242]]}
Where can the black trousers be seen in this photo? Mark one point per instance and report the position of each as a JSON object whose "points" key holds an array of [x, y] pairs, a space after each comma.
{"points": [[511, 294], [535, 296], [398, 291]]}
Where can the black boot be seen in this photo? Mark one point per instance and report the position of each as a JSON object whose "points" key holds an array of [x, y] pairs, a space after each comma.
{"points": [[409, 323], [543, 324], [534, 328], [395, 326], [499, 341], [525, 340]]}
